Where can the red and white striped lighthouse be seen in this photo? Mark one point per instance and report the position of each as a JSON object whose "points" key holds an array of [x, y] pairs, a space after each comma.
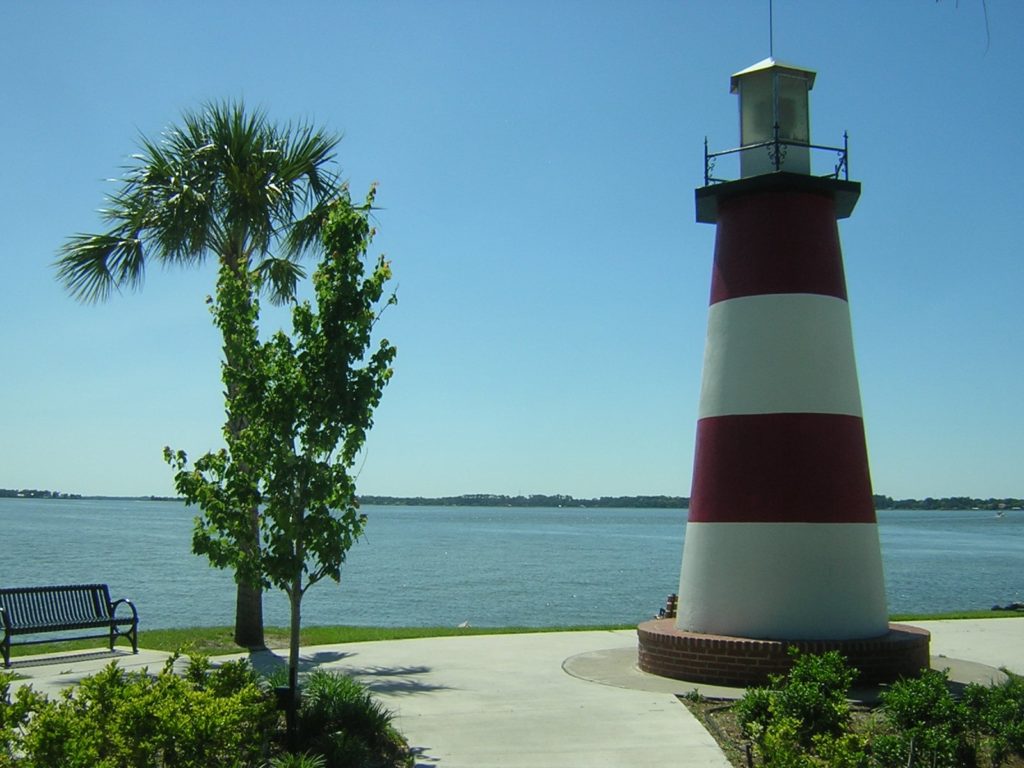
{"points": [[781, 548], [781, 540]]}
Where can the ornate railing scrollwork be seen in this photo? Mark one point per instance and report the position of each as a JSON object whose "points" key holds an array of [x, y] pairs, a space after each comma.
{"points": [[777, 148]]}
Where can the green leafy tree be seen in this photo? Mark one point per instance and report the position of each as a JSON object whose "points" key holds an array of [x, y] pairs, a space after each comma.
{"points": [[229, 185], [307, 403]]}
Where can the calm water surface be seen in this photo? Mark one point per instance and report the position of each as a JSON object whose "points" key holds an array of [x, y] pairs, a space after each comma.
{"points": [[425, 566]]}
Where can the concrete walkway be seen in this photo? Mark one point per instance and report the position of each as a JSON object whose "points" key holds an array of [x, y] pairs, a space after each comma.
{"points": [[505, 700], [538, 700]]}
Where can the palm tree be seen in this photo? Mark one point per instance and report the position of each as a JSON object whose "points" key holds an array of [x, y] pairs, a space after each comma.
{"points": [[225, 184]]}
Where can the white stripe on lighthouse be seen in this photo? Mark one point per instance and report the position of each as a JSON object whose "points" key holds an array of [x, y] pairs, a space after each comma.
{"points": [[779, 353], [790, 581]]}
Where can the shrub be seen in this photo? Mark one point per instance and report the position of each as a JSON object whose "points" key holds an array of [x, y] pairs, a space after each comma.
{"points": [[118, 719], [298, 760], [339, 719], [811, 698], [205, 718], [802, 720], [754, 711], [814, 694], [932, 728], [850, 750], [14, 716], [1004, 713]]}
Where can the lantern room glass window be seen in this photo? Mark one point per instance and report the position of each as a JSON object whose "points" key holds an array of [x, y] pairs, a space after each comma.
{"points": [[757, 113], [794, 115], [770, 97]]}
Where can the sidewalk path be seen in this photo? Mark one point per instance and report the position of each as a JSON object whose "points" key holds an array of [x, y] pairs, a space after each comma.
{"points": [[504, 700], [996, 642]]}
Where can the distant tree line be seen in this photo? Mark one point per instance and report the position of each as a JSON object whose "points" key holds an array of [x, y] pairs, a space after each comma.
{"points": [[534, 500], [31, 493], [951, 502], [657, 502]]}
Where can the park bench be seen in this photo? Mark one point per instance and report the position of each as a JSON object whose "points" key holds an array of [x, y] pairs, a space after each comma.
{"points": [[32, 611]]}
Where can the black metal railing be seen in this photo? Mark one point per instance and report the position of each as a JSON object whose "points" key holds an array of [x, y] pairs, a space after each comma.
{"points": [[776, 149]]}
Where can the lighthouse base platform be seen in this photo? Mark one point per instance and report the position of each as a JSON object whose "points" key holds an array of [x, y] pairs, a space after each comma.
{"points": [[668, 651]]}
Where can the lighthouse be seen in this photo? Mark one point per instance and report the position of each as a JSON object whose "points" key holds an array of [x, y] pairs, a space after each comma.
{"points": [[781, 546]]}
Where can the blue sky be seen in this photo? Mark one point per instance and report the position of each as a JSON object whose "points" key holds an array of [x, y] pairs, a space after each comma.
{"points": [[537, 162]]}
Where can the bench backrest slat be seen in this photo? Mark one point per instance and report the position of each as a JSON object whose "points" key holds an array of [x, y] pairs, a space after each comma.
{"points": [[34, 606]]}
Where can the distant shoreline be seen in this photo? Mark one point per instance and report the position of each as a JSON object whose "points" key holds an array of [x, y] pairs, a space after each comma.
{"points": [[562, 501], [7, 493]]}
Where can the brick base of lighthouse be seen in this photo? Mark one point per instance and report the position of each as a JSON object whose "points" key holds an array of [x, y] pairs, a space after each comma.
{"points": [[740, 662]]}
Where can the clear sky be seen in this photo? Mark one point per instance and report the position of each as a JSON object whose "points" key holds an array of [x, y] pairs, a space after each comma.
{"points": [[537, 162]]}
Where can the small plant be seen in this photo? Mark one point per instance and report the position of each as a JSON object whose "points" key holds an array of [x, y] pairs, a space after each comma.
{"points": [[339, 719], [811, 698], [14, 716], [754, 711], [931, 727], [1001, 711], [694, 696], [298, 760], [802, 716]]}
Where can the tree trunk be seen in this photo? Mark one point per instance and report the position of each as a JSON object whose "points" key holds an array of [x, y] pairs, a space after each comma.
{"points": [[248, 598], [293, 662], [249, 605]]}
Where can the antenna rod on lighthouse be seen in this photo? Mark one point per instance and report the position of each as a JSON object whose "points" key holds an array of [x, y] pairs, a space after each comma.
{"points": [[771, 30]]}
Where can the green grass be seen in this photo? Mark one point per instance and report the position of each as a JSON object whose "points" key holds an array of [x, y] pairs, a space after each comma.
{"points": [[956, 615], [216, 641]]}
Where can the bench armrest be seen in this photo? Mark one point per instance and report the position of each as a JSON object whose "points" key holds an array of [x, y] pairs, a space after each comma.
{"points": [[129, 603]]}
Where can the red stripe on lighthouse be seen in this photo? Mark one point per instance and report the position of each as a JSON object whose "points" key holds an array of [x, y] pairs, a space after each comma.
{"points": [[785, 242], [781, 468]]}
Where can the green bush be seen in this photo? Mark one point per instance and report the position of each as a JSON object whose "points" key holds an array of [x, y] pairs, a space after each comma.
{"points": [[14, 716], [340, 720], [205, 718], [118, 719], [802, 720], [849, 750], [754, 711], [810, 701], [814, 694], [298, 760], [1002, 714], [931, 727]]}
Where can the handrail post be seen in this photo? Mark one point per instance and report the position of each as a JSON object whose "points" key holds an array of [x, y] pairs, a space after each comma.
{"points": [[707, 179], [846, 156]]}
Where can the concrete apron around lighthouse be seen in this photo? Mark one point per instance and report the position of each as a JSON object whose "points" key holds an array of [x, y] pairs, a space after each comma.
{"points": [[781, 546]]}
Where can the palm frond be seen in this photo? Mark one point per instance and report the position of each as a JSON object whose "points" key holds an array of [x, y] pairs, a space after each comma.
{"points": [[91, 267], [304, 233], [280, 277]]}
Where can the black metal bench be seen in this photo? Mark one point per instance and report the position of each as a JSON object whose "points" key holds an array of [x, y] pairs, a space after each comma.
{"points": [[40, 610]]}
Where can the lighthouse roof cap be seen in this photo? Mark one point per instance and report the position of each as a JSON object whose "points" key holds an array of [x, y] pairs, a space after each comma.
{"points": [[772, 63]]}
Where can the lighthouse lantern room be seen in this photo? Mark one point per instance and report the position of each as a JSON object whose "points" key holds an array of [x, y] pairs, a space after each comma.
{"points": [[775, 126]]}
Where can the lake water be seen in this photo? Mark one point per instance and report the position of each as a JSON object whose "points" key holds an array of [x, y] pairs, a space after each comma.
{"points": [[430, 566]]}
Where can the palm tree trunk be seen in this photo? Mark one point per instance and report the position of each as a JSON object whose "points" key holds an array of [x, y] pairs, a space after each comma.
{"points": [[248, 598], [249, 602]]}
